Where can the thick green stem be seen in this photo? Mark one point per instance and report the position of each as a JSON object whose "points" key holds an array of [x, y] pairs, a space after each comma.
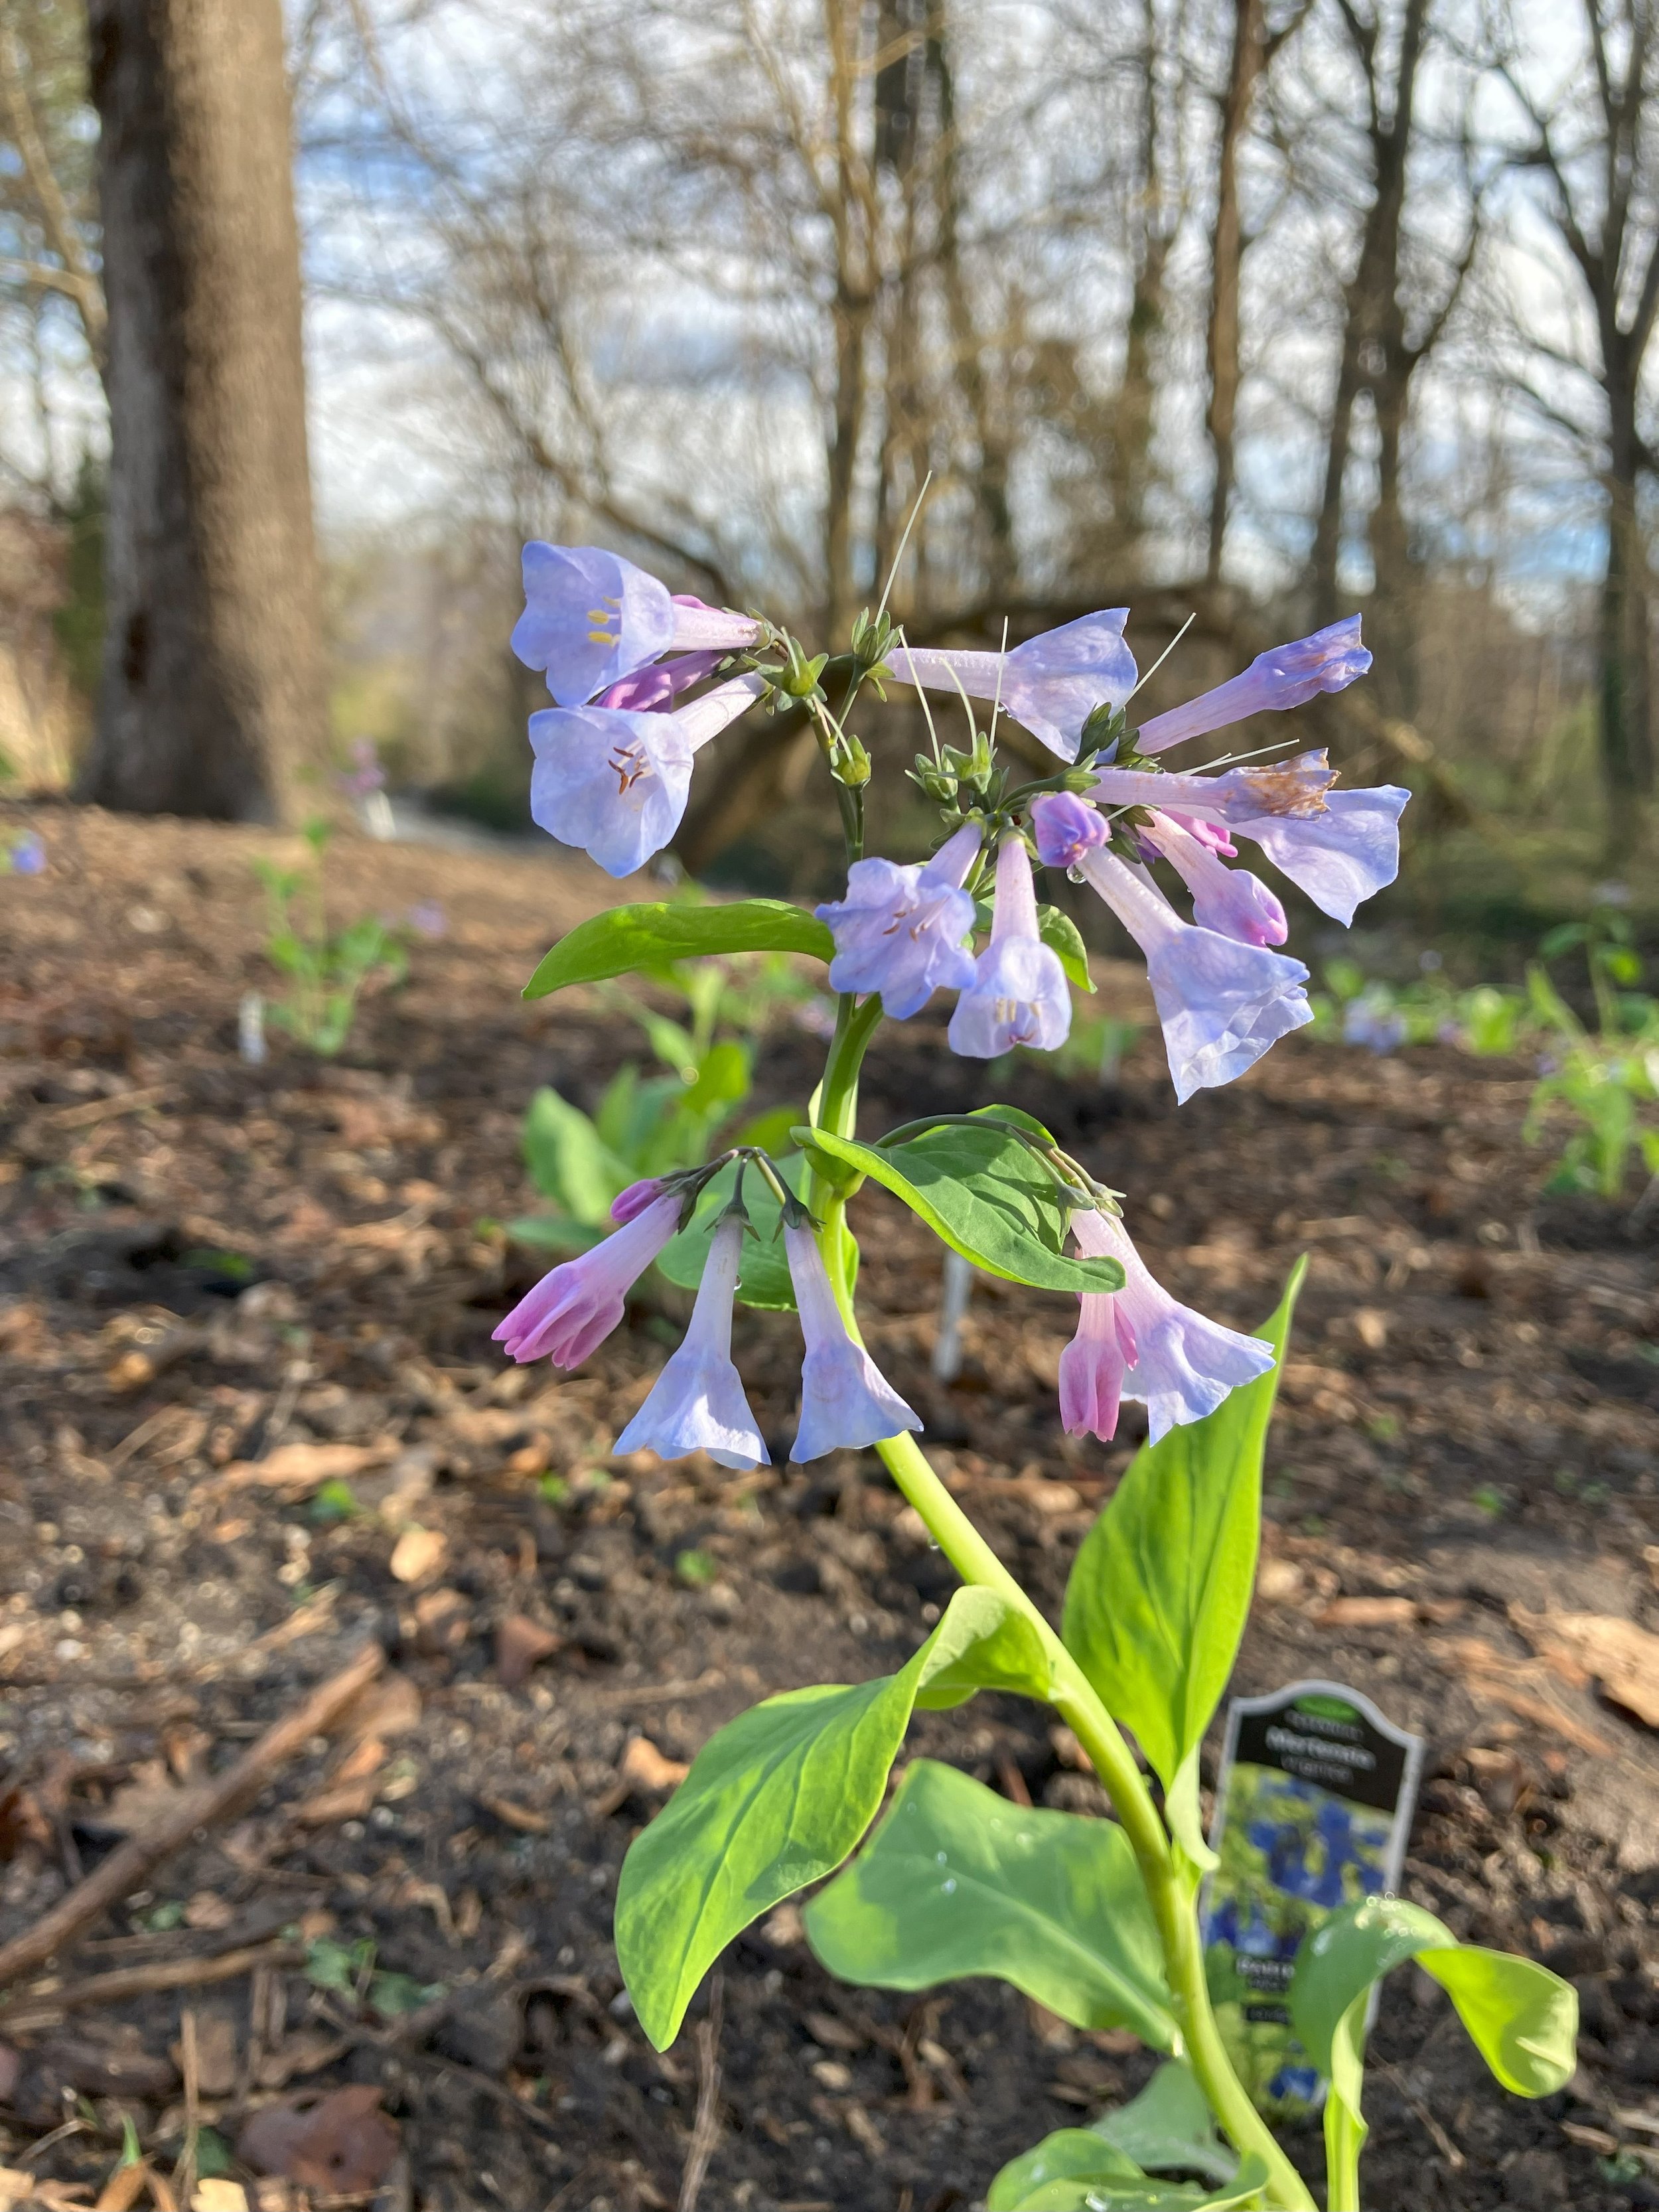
{"points": [[1074, 1698], [1345, 2137]]}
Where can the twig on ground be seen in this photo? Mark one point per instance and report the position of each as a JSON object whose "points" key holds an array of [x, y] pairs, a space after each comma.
{"points": [[46, 2010], [705, 2131], [127, 1868]]}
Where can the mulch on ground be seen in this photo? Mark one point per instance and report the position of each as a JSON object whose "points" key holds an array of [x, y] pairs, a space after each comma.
{"points": [[251, 1417]]}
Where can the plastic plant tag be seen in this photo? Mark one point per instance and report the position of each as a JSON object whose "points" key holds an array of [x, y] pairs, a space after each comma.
{"points": [[1313, 1808]]}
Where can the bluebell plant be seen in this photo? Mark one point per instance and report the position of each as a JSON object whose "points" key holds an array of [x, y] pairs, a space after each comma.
{"points": [[1097, 1918]]}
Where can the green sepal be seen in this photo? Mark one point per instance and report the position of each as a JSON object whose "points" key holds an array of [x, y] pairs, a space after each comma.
{"points": [[1063, 938]]}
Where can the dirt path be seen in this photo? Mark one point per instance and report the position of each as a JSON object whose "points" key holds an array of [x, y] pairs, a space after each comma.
{"points": [[224, 1289]]}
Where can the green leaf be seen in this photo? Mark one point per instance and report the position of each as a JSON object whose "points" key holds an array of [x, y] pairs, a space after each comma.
{"points": [[1169, 2127], [776, 1800], [1523, 2019], [1161, 1587], [958, 1880], [554, 1232], [1061, 936], [768, 1131], [566, 1160], [641, 940], [1071, 2154], [986, 1195], [764, 1276], [722, 1081], [1071, 2180]]}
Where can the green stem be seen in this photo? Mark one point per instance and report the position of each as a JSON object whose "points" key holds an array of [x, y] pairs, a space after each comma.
{"points": [[1345, 2137]]}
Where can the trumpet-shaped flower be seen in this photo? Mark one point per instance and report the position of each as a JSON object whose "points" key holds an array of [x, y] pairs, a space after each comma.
{"points": [[1296, 788], [1092, 1368], [901, 930], [845, 1400], [571, 1311], [591, 618], [1018, 995], [1052, 684], [1287, 676], [615, 781], [1221, 1004], [1179, 1365], [696, 1403], [1066, 827], [1340, 857], [1230, 901], [627, 1205]]}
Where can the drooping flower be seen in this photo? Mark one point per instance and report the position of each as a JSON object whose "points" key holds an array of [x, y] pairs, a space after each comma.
{"points": [[1092, 1368], [1230, 901], [696, 1403], [845, 1400], [591, 618], [900, 929], [615, 781], [1066, 827], [1285, 676], [1051, 684], [1221, 1004], [628, 1204], [571, 1311], [1179, 1365], [1346, 854], [1018, 995]]}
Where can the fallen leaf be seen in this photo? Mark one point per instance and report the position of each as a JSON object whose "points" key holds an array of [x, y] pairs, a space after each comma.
{"points": [[643, 1765], [340, 1800], [217, 2195], [442, 1620], [419, 1554], [834, 2034], [215, 2054], [1367, 1613], [207, 1910], [520, 1817], [1278, 1581], [388, 1706], [299, 1467], [305, 2051], [344, 2143], [520, 1643], [1370, 1326], [17, 2187], [1622, 1657]]}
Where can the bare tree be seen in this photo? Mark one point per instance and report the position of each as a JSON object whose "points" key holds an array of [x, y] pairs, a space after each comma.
{"points": [[1593, 143], [212, 698]]}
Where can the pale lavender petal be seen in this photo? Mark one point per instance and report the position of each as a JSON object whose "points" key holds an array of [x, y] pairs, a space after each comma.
{"points": [[1092, 1368], [1340, 857], [1230, 901], [1019, 996], [846, 1402], [1299, 788], [613, 782], [697, 1402], [571, 1311], [699, 627], [1183, 1365], [1221, 1004], [635, 1199], [900, 931], [1285, 676], [1052, 684], [590, 618]]}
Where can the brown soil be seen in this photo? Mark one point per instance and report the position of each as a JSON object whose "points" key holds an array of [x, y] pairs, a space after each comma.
{"points": [[204, 1266]]}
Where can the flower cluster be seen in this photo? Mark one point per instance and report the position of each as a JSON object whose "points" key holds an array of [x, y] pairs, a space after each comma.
{"points": [[697, 1402]]}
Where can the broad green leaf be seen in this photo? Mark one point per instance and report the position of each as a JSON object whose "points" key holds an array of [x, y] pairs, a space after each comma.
{"points": [[763, 1278], [567, 1160], [673, 1042], [777, 1799], [1073, 2155], [983, 1192], [554, 1232], [643, 939], [722, 1081], [958, 1880], [1161, 1587], [1169, 2127], [768, 1131], [1523, 2019], [1061, 936], [1107, 2190]]}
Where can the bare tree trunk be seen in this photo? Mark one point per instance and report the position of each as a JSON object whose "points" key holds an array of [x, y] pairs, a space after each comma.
{"points": [[1248, 57], [213, 687], [1393, 613], [1137, 395], [851, 313], [1628, 765]]}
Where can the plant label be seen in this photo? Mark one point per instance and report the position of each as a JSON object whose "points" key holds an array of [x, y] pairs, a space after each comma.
{"points": [[1313, 1808]]}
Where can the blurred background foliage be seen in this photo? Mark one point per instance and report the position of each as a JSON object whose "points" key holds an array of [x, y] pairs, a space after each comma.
{"points": [[1251, 310]]}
